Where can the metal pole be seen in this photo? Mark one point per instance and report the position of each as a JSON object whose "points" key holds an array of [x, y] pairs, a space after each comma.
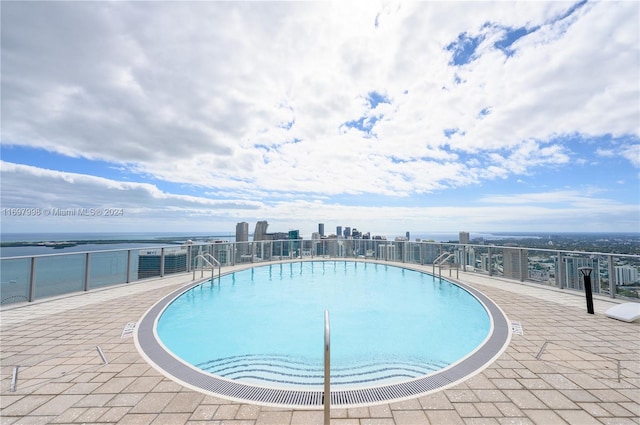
{"points": [[87, 271], [559, 271], [612, 278], [161, 262], [586, 273], [327, 369], [464, 259], [520, 266], [189, 258], [489, 261], [32, 280], [128, 266]]}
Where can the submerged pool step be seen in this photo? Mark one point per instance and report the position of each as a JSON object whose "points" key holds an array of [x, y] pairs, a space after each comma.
{"points": [[282, 369]]}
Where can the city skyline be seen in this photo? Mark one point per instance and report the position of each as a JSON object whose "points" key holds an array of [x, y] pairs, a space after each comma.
{"points": [[390, 117]]}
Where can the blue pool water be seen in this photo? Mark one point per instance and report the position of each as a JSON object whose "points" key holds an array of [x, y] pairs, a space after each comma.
{"points": [[265, 325]]}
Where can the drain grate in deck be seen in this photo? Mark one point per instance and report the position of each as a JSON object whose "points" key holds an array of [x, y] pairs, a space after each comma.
{"points": [[516, 328], [128, 330]]}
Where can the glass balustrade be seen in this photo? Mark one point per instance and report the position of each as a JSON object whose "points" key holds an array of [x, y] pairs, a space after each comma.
{"points": [[36, 277]]}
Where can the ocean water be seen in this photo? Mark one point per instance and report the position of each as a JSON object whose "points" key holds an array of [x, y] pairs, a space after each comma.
{"points": [[109, 241]]}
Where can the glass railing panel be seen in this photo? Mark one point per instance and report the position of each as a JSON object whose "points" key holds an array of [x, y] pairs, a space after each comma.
{"points": [[626, 276], [14, 285], [107, 268], [429, 252], [59, 274], [243, 252], [496, 262], [541, 267], [413, 253], [148, 261], [478, 259], [133, 266], [570, 275], [65, 273], [261, 251], [307, 248], [223, 252]]}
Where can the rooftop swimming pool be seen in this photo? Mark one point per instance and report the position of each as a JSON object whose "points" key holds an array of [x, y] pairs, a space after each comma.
{"points": [[257, 334]]}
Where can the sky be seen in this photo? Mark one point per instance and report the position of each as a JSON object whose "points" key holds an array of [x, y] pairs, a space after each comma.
{"points": [[380, 115]]}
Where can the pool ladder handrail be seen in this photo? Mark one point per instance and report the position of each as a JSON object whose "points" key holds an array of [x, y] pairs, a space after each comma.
{"points": [[441, 260], [213, 263], [327, 369]]}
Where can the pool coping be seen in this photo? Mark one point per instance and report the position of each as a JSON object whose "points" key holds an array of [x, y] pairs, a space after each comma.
{"points": [[154, 352]]}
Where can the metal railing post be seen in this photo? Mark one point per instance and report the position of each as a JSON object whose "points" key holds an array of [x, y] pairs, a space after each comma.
{"points": [[489, 261], [612, 278], [161, 262], [522, 269], [32, 280], [327, 369], [559, 271], [464, 258], [128, 266], [87, 271]]}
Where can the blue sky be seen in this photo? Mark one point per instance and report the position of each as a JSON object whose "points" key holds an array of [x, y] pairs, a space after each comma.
{"points": [[385, 116]]}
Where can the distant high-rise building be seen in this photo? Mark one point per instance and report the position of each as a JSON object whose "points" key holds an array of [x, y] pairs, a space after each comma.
{"points": [[321, 229], [347, 232], [339, 231], [242, 238], [464, 237], [277, 236], [293, 234], [260, 233], [408, 235], [514, 265], [242, 232], [569, 272], [626, 275]]}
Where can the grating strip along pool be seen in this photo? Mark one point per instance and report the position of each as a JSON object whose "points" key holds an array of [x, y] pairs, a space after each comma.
{"points": [[151, 346]]}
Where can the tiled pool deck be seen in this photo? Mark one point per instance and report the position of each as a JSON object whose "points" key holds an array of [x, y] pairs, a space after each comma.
{"points": [[568, 367]]}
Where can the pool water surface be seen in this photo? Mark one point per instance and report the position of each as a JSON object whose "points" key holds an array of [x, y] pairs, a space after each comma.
{"points": [[264, 326]]}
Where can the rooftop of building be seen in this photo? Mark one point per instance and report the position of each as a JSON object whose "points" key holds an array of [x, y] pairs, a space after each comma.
{"points": [[566, 367]]}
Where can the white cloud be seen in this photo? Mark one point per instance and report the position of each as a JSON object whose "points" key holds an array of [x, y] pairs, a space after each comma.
{"points": [[146, 208], [157, 92], [558, 197], [249, 100], [22, 186], [632, 153]]}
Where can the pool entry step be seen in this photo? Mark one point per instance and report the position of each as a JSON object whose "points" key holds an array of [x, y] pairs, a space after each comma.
{"points": [[282, 369]]}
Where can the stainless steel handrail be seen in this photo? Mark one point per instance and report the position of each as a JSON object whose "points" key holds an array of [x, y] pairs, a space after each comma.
{"points": [[440, 261], [213, 267], [217, 263], [437, 260], [327, 369]]}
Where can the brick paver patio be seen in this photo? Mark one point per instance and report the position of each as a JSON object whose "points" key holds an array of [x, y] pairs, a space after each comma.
{"points": [[568, 367]]}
